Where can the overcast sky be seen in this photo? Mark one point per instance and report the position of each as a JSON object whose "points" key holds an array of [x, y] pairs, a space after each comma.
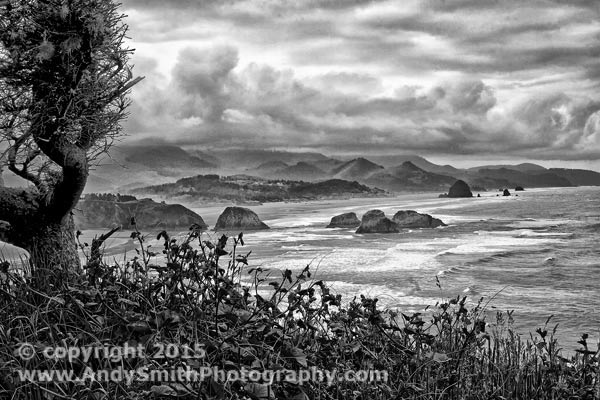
{"points": [[453, 79]]}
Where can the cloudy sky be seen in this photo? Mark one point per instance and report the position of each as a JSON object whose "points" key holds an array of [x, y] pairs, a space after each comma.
{"points": [[455, 80]]}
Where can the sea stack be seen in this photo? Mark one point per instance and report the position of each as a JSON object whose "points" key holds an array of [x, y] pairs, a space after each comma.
{"points": [[413, 219], [239, 218], [519, 189], [106, 211], [347, 220], [460, 189], [506, 193], [375, 221]]}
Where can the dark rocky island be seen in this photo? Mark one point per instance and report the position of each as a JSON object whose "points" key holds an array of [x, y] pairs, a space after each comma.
{"points": [[460, 189], [107, 211], [375, 221], [347, 220], [239, 218], [413, 219], [519, 189], [506, 193]]}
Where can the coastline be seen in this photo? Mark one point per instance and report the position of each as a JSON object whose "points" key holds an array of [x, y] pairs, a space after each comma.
{"points": [[488, 245]]}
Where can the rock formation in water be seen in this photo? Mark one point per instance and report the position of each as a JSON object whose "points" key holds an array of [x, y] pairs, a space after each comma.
{"points": [[347, 220], [239, 218], [519, 189], [460, 189], [95, 213], [506, 193], [413, 219], [375, 221]]}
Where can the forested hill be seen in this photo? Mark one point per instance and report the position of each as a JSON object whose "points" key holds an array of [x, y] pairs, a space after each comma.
{"points": [[244, 188]]}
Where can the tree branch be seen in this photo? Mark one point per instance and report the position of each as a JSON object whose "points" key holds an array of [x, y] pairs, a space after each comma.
{"points": [[67, 191], [23, 172], [95, 253]]}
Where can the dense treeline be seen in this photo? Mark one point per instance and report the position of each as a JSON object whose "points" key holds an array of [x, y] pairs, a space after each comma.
{"points": [[120, 198], [249, 188]]}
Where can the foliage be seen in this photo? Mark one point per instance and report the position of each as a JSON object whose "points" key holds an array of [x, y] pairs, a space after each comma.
{"points": [[119, 198], [203, 292], [64, 77], [64, 84]]}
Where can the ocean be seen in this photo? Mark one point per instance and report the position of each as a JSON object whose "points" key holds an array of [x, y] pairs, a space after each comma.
{"points": [[537, 254]]}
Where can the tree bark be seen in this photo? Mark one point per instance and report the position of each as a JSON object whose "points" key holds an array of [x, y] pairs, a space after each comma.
{"points": [[48, 238], [54, 247]]}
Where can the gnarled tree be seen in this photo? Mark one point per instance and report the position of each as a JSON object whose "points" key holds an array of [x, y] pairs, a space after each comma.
{"points": [[64, 81]]}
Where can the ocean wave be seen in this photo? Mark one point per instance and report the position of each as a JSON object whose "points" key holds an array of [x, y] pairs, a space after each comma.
{"points": [[497, 249], [471, 291], [525, 233], [542, 223], [375, 261], [287, 236], [450, 271], [565, 235], [549, 261], [413, 246], [514, 257], [297, 222], [387, 296], [466, 249]]}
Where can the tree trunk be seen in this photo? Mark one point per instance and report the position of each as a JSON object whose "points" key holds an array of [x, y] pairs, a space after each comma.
{"points": [[53, 246], [47, 237]]}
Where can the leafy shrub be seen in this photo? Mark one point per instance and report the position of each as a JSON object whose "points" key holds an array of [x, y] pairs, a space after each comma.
{"points": [[205, 293]]}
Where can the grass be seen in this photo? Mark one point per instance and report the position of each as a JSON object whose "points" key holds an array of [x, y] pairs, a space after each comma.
{"points": [[206, 300]]}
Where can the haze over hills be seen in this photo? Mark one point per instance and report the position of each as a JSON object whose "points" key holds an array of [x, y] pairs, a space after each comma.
{"points": [[134, 167], [357, 169], [164, 156], [579, 177], [409, 177], [246, 158], [532, 179], [523, 167], [269, 167], [301, 171], [419, 161]]}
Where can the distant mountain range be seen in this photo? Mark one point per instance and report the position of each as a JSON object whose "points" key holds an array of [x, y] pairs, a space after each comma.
{"points": [[134, 167], [358, 169], [525, 167]]}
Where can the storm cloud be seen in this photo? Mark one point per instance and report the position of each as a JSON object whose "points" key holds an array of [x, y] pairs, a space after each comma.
{"points": [[447, 77]]}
